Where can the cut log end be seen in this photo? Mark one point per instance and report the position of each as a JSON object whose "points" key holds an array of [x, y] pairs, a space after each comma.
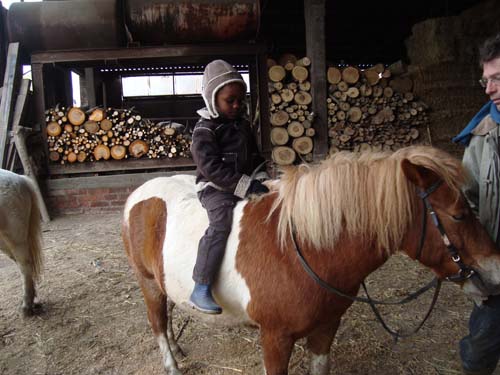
{"points": [[283, 155], [138, 148], [76, 116], [101, 152]]}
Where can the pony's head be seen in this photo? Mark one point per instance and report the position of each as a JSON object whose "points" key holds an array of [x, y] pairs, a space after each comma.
{"points": [[455, 245], [375, 197]]}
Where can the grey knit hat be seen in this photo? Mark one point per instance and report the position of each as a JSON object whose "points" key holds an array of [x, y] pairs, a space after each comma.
{"points": [[218, 73]]}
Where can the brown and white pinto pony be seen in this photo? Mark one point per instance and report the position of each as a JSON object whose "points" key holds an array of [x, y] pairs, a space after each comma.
{"points": [[20, 235], [349, 213]]}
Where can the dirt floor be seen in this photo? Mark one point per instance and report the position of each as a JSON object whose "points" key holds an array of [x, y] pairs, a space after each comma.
{"points": [[94, 320]]}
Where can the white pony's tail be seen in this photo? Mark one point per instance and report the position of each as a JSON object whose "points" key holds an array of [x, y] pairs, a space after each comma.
{"points": [[34, 233]]}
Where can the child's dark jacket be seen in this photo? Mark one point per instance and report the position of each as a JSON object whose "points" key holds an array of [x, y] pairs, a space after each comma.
{"points": [[226, 154]]}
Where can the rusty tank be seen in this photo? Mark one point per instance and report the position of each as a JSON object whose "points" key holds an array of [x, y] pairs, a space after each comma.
{"points": [[66, 24], [157, 22]]}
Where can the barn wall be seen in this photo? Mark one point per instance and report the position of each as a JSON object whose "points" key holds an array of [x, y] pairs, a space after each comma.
{"points": [[445, 69], [98, 194]]}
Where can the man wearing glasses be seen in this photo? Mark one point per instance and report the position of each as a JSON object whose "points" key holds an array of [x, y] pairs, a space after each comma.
{"points": [[480, 349]]}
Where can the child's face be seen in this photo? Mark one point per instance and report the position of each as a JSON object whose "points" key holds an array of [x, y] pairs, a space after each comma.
{"points": [[229, 100]]}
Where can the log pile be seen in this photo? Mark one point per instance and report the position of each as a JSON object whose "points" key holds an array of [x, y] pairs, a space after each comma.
{"points": [[102, 134], [372, 109], [290, 109]]}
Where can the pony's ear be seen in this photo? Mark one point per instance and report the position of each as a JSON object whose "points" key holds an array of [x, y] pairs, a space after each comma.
{"points": [[418, 175]]}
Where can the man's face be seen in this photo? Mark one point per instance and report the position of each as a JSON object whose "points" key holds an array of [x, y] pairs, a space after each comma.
{"points": [[229, 100], [491, 73]]}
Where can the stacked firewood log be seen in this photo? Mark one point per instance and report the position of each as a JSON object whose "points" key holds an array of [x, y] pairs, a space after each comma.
{"points": [[101, 134], [290, 108], [372, 109]]}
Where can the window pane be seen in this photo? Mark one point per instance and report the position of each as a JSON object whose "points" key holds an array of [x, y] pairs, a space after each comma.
{"points": [[246, 78], [147, 85], [161, 85], [75, 83], [187, 84], [178, 84]]}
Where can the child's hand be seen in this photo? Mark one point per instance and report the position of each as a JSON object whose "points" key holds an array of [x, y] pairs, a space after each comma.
{"points": [[256, 188]]}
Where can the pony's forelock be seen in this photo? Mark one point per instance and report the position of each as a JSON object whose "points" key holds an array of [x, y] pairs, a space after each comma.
{"points": [[354, 194]]}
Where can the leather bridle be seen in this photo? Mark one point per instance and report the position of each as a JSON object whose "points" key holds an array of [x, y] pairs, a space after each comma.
{"points": [[465, 272]]}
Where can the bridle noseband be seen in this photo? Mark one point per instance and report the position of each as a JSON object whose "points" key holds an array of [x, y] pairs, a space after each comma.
{"points": [[465, 272]]}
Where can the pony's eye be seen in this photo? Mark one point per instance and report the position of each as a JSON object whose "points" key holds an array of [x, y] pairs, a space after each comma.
{"points": [[458, 217]]}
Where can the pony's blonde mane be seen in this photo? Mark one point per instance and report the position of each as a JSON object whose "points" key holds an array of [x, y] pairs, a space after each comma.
{"points": [[356, 194]]}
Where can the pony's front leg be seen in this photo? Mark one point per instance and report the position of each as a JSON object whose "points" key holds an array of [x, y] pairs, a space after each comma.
{"points": [[318, 343], [277, 348]]}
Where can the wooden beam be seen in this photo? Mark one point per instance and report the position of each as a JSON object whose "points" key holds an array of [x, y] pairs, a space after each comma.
{"points": [[20, 143], [314, 12], [10, 86], [39, 96], [90, 86], [121, 165], [178, 51], [265, 124]]}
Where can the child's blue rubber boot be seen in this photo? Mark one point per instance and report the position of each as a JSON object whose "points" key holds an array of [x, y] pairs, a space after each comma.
{"points": [[201, 299]]}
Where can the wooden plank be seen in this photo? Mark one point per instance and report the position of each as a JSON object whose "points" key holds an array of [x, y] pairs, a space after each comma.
{"points": [[20, 143], [39, 98], [114, 181], [21, 101], [10, 85], [120, 165], [265, 124], [22, 150], [314, 12], [11, 156], [90, 85], [180, 51]]}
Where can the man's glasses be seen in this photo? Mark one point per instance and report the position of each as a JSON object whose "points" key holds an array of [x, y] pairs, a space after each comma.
{"points": [[494, 80]]}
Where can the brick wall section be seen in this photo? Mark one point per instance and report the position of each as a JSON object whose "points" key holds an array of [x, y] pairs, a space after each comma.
{"points": [[95, 194], [87, 200]]}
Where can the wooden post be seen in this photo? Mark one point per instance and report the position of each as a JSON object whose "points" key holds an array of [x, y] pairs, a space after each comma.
{"points": [[314, 12], [90, 86], [10, 86], [19, 134], [265, 124], [39, 96]]}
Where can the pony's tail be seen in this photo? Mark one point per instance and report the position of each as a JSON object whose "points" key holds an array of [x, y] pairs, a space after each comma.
{"points": [[35, 234]]}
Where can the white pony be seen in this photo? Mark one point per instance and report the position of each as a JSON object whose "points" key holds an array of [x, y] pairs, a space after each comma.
{"points": [[20, 235]]}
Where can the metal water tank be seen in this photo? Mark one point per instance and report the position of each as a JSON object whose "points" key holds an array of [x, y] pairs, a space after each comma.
{"points": [[156, 22], [66, 24]]}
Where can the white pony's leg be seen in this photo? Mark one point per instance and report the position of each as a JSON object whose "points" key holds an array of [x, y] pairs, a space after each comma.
{"points": [[28, 305], [174, 346], [22, 257], [19, 253]]}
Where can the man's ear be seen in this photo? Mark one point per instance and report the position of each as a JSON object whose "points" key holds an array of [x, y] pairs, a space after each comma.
{"points": [[420, 176]]}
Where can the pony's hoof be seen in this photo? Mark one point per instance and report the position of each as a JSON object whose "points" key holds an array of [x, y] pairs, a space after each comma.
{"points": [[34, 309]]}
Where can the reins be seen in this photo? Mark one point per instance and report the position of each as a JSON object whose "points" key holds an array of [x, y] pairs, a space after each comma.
{"points": [[464, 273], [373, 302]]}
